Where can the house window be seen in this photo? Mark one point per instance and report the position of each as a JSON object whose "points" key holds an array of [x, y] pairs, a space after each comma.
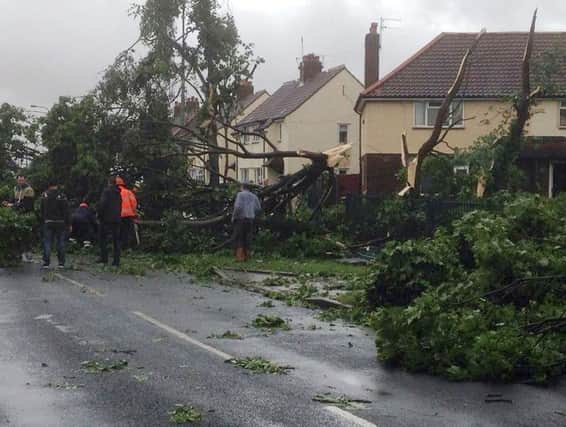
{"points": [[197, 174], [426, 113], [259, 176], [245, 175], [252, 175], [563, 114], [246, 137], [256, 138], [343, 134]]}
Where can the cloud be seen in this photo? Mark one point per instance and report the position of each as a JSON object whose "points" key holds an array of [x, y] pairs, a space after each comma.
{"points": [[59, 47]]}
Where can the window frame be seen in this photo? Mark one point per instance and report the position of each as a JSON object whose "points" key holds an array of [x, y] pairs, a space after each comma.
{"points": [[197, 174], [340, 127], [427, 107], [561, 108]]}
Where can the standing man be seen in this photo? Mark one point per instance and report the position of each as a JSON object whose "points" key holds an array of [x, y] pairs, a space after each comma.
{"points": [[56, 223], [23, 196], [128, 213], [246, 208], [109, 210]]}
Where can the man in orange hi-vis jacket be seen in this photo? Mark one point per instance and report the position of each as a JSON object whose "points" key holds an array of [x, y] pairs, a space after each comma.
{"points": [[129, 212]]}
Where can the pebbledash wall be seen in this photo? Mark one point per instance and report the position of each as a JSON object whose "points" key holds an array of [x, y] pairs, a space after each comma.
{"points": [[384, 121]]}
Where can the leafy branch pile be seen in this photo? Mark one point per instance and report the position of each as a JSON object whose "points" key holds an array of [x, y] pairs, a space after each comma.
{"points": [[17, 236], [483, 301], [260, 365]]}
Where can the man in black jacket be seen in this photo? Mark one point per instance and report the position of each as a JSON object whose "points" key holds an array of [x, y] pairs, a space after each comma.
{"points": [[56, 223], [109, 211]]}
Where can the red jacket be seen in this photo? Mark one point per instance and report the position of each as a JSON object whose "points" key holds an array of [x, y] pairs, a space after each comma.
{"points": [[129, 203]]}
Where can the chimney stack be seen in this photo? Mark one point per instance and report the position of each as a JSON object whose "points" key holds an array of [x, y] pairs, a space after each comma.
{"points": [[310, 67], [245, 89], [191, 107], [372, 56]]}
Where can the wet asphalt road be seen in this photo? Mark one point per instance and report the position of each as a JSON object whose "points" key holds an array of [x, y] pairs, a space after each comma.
{"points": [[160, 324]]}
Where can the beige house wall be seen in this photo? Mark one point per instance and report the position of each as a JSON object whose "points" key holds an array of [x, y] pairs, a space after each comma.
{"points": [[383, 123], [314, 126], [233, 173]]}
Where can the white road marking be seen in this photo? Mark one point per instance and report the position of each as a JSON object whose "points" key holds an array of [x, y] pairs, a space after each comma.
{"points": [[356, 421], [82, 287], [43, 317], [183, 336]]}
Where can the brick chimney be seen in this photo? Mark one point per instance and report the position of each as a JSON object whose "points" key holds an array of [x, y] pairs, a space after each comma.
{"points": [[245, 89], [191, 106], [372, 56], [310, 67]]}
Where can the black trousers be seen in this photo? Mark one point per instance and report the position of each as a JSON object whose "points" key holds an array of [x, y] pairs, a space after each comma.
{"points": [[114, 231], [127, 232], [243, 233]]}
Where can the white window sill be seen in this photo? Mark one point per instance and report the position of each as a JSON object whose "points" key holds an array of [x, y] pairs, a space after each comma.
{"points": [[432, 127]]}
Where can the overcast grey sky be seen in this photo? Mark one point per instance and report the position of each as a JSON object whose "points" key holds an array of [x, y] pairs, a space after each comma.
{"points": [[50, 48]]}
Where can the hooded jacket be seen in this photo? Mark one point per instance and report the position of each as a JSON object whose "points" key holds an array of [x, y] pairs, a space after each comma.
{"points": [[55, 208]]}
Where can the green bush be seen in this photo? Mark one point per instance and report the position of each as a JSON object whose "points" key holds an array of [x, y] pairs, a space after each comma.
{"points": [[16, 233], [460, 304]]}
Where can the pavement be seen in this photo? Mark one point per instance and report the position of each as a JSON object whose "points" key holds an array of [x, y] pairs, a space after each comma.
{"points": [[161, 325]]}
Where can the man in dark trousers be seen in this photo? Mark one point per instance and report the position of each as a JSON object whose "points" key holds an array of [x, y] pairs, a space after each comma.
{"points": [[109, 211], [56, 222], [246, 208], [84, 225]]}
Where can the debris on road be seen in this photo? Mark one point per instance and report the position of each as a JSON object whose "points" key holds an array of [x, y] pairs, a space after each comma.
{"points": [[183, 414], [228, 335], [341, 401], [264, 321], [95, 367], [260, 365]]}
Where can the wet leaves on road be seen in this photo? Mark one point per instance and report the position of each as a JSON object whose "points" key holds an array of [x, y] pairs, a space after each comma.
{"points": [[341, 401], [264, 321], [184, 414], [260, 365], [49, 277], [267, 304], [66, 386], [96, 367], [228, 335]]}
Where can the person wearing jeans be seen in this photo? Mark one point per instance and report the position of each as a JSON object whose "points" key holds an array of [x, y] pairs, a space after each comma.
{"points": [[58, 233], [56, 221]]}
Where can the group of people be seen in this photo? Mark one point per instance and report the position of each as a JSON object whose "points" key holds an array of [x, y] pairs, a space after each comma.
{"points": [[115, 217], [116, 213]]}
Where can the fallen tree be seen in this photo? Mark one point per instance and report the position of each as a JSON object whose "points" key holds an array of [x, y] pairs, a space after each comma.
{"points": [[484, 301]]}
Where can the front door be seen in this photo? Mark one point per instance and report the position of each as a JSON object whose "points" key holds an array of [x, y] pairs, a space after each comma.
{"points": [[558, 178]]}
